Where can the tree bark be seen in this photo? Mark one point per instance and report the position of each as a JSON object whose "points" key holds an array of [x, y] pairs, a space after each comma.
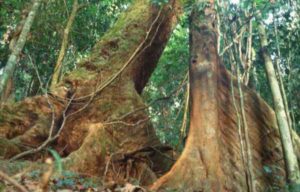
{"points": [[13, 58], [103, 130], [7, 92], [212, 158], [97, 110], [64, 46], [290, 157]]}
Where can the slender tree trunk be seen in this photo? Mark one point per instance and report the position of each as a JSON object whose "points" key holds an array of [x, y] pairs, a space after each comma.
{"points": [[247, 156], [17, 49], [293, 173], [279, 74], [250, 167], [249, 59], [64, 46], [7, 93]]}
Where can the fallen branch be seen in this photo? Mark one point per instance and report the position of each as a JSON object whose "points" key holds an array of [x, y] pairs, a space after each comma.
{"points": [[13, 182]]}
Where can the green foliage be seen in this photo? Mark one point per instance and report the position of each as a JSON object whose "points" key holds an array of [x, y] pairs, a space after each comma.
{"points": [[293, 187], [73, 181], [58, 161], [96, 17], [165, 91], [43, 44], [172, 68], [159, 2], [35, 174], [10, 14], [2, 186]]}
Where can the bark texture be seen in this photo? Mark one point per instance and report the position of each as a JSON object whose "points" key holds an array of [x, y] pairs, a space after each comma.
{"points": [[281, 115], [7, 92], [97, 107], [212, 159], [104, 132], [18, 47], [64, 45]]}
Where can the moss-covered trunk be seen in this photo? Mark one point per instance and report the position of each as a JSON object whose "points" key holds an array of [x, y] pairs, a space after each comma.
{"points": [[97, 107]]}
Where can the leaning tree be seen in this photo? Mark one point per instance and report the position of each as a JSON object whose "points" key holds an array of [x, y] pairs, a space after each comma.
{"points": [[95, 117]]}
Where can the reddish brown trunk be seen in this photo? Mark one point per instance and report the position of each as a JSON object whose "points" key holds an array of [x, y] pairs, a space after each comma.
{"points": [[204, 101], [212, 158]]}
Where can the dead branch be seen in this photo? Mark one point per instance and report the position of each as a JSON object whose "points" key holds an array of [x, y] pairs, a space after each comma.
{"points": [[13, 182]]}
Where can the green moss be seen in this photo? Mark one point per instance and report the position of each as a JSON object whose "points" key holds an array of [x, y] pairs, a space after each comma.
{"points": [[127, 32], [103, 142], [2, 186], [120, 41], [139, 9], [15, 167], [7, 116], [8, 148], [81, 74], [2, 118], [106, 106]]}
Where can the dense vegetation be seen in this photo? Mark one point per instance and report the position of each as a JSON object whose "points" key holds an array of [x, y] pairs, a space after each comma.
{"points": [[167, 91]]}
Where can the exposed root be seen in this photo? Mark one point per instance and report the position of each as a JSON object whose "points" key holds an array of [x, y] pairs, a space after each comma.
{"points": [[119, 63], [92, 153]]}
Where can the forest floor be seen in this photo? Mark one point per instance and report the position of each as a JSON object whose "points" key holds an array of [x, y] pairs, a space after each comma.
{"points": [[41, 177]]}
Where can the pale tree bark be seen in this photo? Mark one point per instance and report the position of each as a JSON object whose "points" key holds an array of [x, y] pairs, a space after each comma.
{"points": [[290, 157], [279, 75], [64, 45], [7, 92], [17, 49], [249, 55]]}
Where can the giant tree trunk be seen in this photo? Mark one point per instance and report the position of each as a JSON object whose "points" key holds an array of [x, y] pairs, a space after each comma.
{"points": [[110, 136], [97, 107], [213, 159]]}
